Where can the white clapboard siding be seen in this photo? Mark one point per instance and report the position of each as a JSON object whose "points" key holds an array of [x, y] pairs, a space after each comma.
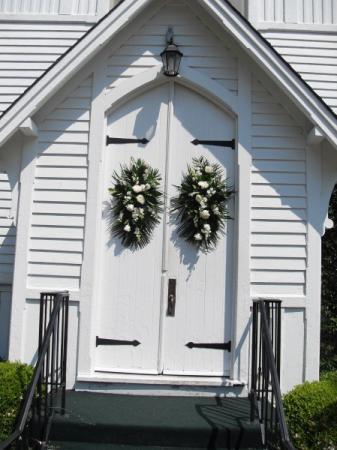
{"points": [[7, 231], [28, 49], [278, 198], [73, 7], [201, 49], [313, 55], [59, 197], [296, 11]]}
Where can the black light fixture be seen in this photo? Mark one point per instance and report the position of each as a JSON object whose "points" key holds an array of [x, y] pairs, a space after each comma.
{"points": [[171, 56]]}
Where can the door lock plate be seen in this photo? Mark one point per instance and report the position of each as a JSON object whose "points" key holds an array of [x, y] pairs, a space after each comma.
{"points": [[171, 297]]}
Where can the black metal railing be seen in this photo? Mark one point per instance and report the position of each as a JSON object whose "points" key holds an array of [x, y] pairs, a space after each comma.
{"points": [[46, 392], [265, 392]]}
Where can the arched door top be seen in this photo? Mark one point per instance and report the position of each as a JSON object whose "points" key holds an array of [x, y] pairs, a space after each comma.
{"points": [[188, 77]]}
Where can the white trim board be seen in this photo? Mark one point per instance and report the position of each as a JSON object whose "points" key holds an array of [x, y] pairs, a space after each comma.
{"points": [[254, 45], [36, 18]]}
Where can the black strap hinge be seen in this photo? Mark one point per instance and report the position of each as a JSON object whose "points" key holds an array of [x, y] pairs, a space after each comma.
{"points": [[221, 346], [103, 341], [230, 144], [113, 140]]}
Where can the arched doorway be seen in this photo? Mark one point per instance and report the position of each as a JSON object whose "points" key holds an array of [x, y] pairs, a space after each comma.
{"points": [[134, 285]]}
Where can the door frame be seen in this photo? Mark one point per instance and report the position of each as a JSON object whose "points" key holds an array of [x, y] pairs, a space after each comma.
{"points": [[103, 104]]}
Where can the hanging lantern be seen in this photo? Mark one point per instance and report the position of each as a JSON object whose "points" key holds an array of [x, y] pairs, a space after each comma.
{"points": [[171, 56]]}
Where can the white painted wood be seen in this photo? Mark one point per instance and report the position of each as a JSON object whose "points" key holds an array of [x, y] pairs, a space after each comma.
{"points": [[313, 54], [29, 128], [52, 7], [313, 289], [5, 311], [315, 136], [278, 204], [202, 51], [241, 312], [204, 282], [25, 46], [293, 348], [59, 195], [134, 277], [29, 151], [146, 359], [225, 16], [313, 12], [91, 256]]}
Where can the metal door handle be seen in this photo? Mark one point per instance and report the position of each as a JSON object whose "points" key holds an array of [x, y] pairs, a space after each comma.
{"points": [[171, 298]]}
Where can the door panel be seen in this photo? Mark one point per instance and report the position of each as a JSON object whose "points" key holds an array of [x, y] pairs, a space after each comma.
{"points": [[131, 280], [133, 284], [204, 281]]}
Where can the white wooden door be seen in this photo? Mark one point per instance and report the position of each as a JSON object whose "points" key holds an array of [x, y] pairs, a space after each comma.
{"points": [[203, 312], [133, 294]]}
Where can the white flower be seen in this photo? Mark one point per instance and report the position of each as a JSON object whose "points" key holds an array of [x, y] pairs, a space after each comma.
{"points": [[127, 228], [216, 211], [204, 214], [207, 227], [208, 169], [211, 192], [140, 199], [130, 207], [147, 187], [198, 198], [198, 237], [203, 184], [137, 188]]}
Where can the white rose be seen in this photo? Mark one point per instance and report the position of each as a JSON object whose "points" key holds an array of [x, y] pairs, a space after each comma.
{"points": [[204, 214], [130, 207], [208, 169], [198, 198], [198, 237], [207, 227], [136, 188], [216, 210], [127, 228], [203, 184], [140, 199], [147, 187]]}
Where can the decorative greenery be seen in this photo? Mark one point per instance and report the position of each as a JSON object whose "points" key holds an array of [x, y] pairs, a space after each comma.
{"points": [[136, 203], [329, 292], [311, 411], [202, 204], [14, 378]]}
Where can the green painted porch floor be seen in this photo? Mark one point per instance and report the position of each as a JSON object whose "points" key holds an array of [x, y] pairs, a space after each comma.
{"points": [[117, 422]]}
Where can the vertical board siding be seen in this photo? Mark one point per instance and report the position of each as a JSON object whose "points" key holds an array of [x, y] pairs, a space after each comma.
{"points": [[59, 197], [314, 56], [5, 314], [278, 204], [27, 50], [201, 49], [298, 11], [86, 7]]}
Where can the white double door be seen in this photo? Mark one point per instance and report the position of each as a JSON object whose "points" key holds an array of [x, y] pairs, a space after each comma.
{"points": [[133, 293]]}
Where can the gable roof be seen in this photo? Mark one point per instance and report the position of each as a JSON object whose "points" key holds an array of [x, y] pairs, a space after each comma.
{"points": [[223, 12]]}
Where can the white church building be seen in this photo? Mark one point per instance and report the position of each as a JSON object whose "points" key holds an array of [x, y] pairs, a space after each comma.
{"points": [[83, 91]]}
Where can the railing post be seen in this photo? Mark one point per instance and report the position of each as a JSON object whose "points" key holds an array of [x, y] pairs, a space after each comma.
{"points": [[265, 376]]}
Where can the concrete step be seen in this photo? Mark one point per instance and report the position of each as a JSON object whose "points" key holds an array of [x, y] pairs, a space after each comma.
{"points": [[93, 446], [119, 421]]}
